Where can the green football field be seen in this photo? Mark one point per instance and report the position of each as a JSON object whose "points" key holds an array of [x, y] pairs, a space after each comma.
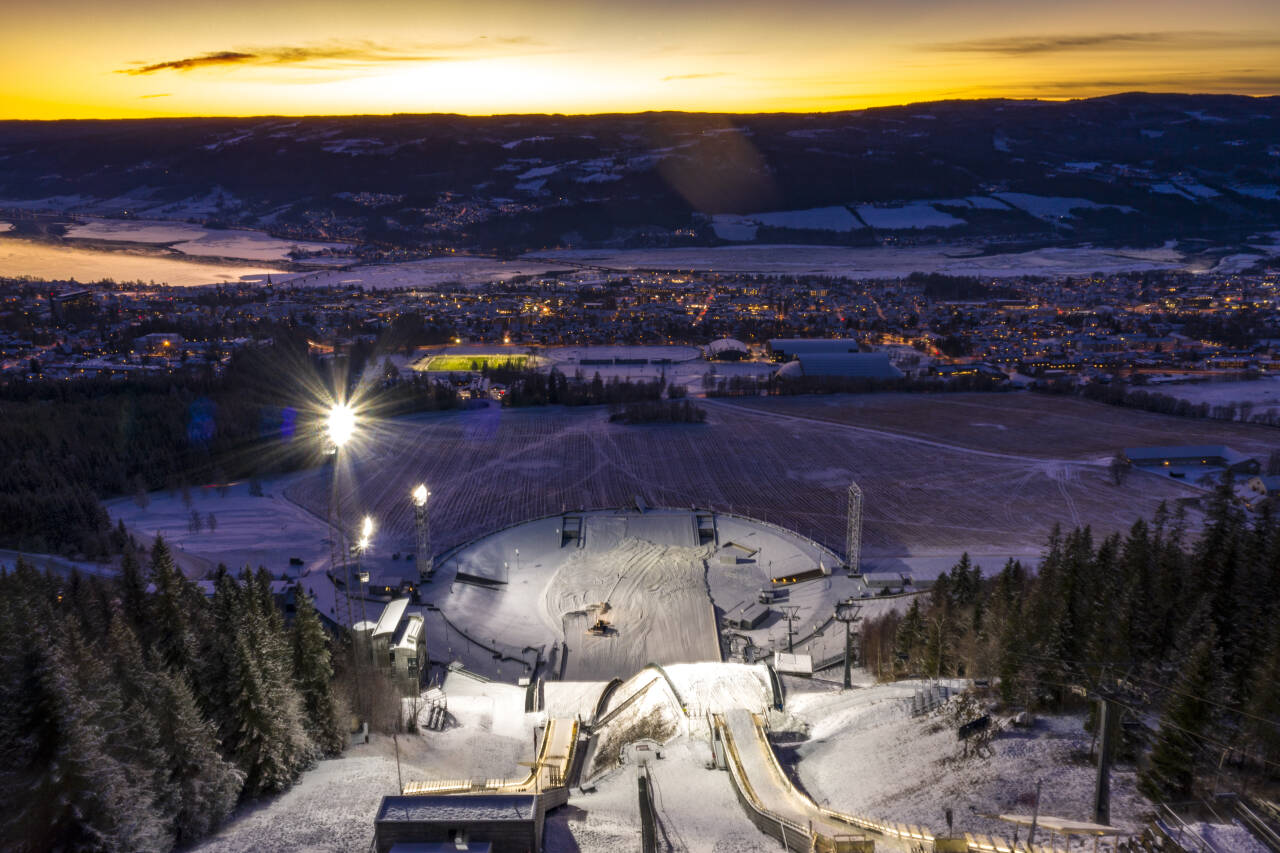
{"points": [[462, 363]]}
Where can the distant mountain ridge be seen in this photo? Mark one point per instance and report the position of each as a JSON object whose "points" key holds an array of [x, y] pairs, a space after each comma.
{"points": [[1131, 169]]}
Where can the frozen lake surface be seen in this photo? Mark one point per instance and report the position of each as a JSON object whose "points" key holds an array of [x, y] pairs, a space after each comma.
{"points": [[193, 239], [53, 262]]}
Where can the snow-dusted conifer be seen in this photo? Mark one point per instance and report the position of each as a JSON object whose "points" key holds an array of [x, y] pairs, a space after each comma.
{"points": [[170, 629], [205, 785], [313, 675], [1188, 712], [63, 787]]}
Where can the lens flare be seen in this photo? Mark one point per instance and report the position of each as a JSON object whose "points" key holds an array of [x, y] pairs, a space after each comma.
{"points": [[342, 424]]}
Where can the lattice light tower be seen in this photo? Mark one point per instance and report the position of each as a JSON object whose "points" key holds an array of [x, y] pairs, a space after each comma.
{"points": [[853, 531], [425, 568]]}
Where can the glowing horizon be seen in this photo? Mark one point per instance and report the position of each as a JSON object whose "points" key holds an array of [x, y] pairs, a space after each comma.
{"points": [[497, 57]]}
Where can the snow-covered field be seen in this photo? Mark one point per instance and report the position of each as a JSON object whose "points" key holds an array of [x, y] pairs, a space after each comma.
{"points": [[865, 755], [885, 262], [1262, 395], [250, 531], [465, 270]]}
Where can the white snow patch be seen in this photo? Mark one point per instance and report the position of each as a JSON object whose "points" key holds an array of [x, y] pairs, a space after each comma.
{"points": [[867, 756], [833, 218], [1258, 191], [515, 143], [538, 172], [1225, 836], [730, 226]]}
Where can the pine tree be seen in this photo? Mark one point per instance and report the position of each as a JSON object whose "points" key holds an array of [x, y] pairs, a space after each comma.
{"points": [[205, 785], [910, 637], [62, 786], [313, 675], [1262, 725], [133, 590], [262, 723], [170, 623], [1187, 715]]}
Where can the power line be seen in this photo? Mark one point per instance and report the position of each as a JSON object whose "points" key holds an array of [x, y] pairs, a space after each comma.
{"points": [[1163, 722], [1153, 684]]}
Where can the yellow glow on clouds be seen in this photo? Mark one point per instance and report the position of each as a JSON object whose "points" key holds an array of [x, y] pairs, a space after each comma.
{"points": [[503, 56]]}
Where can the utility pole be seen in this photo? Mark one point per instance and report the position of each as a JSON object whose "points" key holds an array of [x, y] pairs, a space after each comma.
{"points": [[792, 611], [847, 612], [1035, 816], [1108, 717]]}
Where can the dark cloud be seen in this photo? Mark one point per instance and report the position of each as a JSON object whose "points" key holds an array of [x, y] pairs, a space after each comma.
{"points": [[322, 55], [702, 76], [1024, 45], [222, 57]]}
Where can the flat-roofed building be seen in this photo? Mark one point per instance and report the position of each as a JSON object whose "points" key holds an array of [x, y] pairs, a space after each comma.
{"points": [[1186, 456], [509, 823]]}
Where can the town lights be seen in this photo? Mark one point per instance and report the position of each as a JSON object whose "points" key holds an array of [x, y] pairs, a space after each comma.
{"points": [[341, 424], [420, 495]]}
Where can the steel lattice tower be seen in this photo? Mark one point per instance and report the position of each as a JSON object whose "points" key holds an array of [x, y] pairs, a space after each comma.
{"points": [[853, 531]]}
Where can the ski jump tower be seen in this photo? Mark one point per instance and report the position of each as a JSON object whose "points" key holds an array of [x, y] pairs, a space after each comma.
{"points": [[423, 556], [853, 530]]}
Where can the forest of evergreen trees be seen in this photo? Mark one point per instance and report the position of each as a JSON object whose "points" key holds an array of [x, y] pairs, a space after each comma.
{"points": [[136, 720], [529, 387], [1186, 630]]}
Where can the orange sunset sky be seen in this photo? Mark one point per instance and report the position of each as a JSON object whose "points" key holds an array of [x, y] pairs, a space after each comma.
{"points": [[78, 59]]}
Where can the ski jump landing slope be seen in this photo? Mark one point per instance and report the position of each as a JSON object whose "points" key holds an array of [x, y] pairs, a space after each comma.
{"points": [[780, 809]]}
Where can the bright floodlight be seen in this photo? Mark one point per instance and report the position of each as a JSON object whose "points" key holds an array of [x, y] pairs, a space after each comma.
{"points": [[420, 495], [366, 529], [342, 423]]}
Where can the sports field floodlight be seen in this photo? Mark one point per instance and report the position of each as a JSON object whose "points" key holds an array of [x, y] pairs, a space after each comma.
{"points": [[421, 527], [366, 532], [341, 424]]}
